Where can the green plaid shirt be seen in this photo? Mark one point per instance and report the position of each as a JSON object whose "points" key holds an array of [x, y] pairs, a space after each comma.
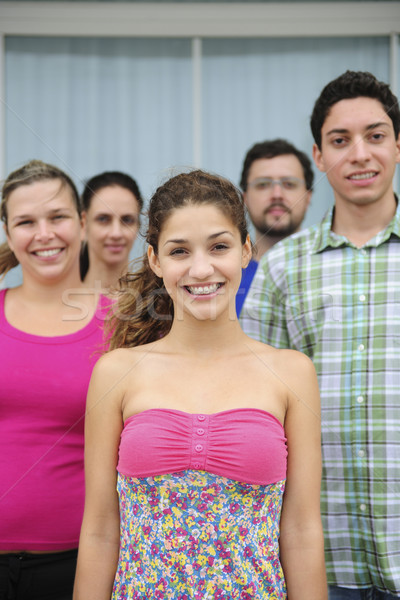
{"points": [[318, 293]]}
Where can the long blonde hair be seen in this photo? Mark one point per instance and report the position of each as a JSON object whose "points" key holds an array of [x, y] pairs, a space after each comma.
{"points": [[144, 311], [31, 172]]}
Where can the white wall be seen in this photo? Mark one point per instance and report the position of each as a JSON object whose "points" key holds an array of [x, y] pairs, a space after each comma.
{"points": [[151, 103]]}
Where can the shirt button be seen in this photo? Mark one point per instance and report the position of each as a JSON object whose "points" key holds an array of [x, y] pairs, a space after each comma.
{"points": [[361, 298], [196, 465], [201, 417], [198, 447], [360, 399], [361, 453], [200, 431], [363, 251], [362, 507], [361, 347]]}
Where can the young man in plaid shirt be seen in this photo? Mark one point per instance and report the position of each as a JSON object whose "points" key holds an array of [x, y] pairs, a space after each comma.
{"points": [[332, 291]]}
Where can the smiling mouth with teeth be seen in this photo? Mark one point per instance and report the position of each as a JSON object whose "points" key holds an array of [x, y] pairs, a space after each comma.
{"points": [[359, 176], [48, 252], [203, 290]]}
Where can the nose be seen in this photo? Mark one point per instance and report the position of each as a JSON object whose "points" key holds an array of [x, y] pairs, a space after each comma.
{"points": [[359, 151], [44, 231], [116, 228], [276, 190], [201, 266]]}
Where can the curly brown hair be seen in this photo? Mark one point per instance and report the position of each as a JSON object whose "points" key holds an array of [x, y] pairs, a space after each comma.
{"points": [[144, 311]]}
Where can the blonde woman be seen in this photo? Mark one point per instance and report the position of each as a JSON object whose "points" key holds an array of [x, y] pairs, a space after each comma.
{"points": [[50, 337]]}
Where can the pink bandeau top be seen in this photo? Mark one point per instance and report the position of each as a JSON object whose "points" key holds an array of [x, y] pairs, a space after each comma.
{"points": [[245, 444]]}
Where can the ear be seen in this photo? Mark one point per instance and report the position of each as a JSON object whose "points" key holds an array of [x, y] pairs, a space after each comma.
{"points": [[154, 261], [246, 252], [8, 237], [398, 149], [318, 158], [83, 226]]}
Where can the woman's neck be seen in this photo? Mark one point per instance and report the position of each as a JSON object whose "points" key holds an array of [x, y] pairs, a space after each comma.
{"points": [[49, 292], [206, 338], [102, 277], [50, 308]]}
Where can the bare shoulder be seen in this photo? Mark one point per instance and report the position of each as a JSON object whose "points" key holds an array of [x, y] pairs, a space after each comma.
{"points": [[119, 359], [125, 367], [299, 362], [292, 365], [113, 368], [111, 362], [293, 357]]}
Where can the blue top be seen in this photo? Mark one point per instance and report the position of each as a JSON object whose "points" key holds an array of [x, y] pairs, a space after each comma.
{"points": [[247, 277]]}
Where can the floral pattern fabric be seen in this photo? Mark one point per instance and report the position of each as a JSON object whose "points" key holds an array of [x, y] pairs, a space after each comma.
{"points": [[195, 535]]}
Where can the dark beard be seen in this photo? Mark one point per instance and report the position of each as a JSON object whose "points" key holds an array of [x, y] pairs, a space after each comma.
{"points": [[275, 230]]}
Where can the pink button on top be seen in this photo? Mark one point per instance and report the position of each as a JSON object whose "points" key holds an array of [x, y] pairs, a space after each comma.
{"points": [[198, 447], [201, 417]]}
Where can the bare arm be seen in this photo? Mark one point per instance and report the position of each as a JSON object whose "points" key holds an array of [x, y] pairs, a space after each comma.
{"points": [[301, 540], [99, 540]]}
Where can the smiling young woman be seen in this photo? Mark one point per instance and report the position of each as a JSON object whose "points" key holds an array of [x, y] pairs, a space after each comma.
{"points": [[50, 329], [212, 439]]}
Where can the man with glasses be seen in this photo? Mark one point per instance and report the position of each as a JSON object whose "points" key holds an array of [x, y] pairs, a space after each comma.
{"points": [[332, 291], [276, 182]]}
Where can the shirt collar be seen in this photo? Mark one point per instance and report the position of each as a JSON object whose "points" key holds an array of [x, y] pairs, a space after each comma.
{"points": [[326, 238]]}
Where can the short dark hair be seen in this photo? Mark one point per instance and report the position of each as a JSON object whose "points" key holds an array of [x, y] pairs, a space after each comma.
{"points": [[271, 149], [349, 85], [106, 179]]}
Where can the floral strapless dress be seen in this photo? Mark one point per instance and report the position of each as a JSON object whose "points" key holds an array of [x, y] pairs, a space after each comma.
{"points": [[195, 535]]}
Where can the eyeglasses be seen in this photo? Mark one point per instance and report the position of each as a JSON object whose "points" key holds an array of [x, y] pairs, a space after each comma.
{"points": [[267, 183]]}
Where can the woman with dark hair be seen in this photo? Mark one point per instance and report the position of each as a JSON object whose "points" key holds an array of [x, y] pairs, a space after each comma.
{"points": [[111, 210], [211, 439]]}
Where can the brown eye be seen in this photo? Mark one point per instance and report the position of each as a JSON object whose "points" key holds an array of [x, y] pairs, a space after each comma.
{"points": [[263, 185], [129, 220], [103, 219], [177, 251]]}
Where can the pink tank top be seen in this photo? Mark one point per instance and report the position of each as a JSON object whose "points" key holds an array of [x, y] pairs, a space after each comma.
{"points": [[44, 381], [244, 444]]}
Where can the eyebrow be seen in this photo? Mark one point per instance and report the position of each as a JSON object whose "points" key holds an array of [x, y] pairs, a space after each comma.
{"points": [[210, 237], [30, 216], [20, 217], [111, 213], [368, 127]]}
